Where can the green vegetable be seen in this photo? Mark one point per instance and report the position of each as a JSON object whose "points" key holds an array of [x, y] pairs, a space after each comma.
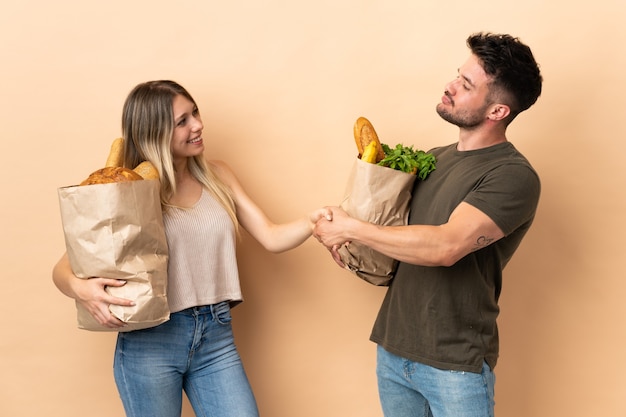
{"points": [[406, 159]]}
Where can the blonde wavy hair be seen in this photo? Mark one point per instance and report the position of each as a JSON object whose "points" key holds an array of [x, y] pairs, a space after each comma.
{"points": [[148, 128]]}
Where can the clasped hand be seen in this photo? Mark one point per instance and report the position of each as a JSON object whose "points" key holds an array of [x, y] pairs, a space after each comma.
{"points": [[334, 233]]}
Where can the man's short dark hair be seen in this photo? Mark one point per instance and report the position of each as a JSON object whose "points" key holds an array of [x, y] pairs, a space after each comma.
{"points": [[512, 66]]}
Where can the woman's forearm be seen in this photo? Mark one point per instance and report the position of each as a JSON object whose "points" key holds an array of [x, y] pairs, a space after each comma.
{"points": [[62, 276], [286, 236]]}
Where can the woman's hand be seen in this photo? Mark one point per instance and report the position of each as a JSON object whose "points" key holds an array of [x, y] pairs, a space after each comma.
{"points": [[92, 295], [322, 213]]}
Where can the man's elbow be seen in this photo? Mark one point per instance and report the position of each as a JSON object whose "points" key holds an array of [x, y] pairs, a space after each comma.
{"points": [[449, 256]]}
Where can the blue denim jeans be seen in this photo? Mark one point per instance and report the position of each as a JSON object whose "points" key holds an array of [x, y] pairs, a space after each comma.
{"points": [[194, 351], [412, 389]]}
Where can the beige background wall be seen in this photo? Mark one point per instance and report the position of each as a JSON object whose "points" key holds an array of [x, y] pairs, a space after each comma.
{"points": [[279, 84]]}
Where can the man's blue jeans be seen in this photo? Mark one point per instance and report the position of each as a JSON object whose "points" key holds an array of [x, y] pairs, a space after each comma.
{"points": [[194, 351], [412, 389]]}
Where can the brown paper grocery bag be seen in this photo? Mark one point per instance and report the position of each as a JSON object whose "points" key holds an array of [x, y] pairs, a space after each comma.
{"points": [[116, 231], [379, 195]]}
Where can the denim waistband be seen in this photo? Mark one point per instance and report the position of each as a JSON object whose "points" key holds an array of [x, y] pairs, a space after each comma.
{"points": [[205, 309]]}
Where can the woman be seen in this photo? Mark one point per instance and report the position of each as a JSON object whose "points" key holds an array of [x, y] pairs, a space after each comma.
{"points": [[203, 206]]}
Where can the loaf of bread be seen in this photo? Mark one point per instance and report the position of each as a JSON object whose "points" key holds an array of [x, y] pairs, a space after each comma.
{"points": [[111, 174], [364, 133], [116, 154], [147, 171], [114, 172]]}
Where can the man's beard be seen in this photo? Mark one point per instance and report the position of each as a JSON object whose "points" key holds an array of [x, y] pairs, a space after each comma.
{"points": [[465, 120]]}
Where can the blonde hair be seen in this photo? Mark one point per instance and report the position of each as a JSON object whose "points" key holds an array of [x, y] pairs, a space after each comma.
{"points": [[148, 127]]}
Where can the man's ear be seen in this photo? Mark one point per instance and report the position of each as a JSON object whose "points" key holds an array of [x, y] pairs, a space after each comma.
{"points": [[498, 112]]}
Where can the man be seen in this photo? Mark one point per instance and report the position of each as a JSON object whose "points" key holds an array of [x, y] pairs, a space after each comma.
{"points": [[436, 330]]}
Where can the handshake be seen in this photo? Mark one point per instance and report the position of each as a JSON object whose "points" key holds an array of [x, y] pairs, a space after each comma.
{"points": [[331, 230]]}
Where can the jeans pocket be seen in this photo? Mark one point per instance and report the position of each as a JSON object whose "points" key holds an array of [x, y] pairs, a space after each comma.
{"points": [[221, 312]]}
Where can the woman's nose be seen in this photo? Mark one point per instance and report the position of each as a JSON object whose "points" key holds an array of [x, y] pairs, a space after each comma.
{"points": [[197, 124]]}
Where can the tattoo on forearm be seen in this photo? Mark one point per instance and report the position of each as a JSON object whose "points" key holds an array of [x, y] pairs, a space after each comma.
{"points": [[482, 241]]}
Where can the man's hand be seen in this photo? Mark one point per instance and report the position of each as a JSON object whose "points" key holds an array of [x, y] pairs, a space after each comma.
{"points": [[330, 232], [333, 234], [334, 252]]}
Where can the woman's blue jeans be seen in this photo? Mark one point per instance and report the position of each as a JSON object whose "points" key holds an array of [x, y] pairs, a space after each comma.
{"points": [[194, 351], [412, 389]]}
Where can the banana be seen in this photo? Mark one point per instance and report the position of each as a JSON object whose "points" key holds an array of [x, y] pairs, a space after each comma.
{"points": [[370, 152]]}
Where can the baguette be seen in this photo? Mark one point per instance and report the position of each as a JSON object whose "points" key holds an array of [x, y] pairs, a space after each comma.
{"points": [[364, 133], [116, 154]]}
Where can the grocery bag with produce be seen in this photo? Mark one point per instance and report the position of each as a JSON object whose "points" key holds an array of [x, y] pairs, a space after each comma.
{"points": [[113, 228], [379, 191]]}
